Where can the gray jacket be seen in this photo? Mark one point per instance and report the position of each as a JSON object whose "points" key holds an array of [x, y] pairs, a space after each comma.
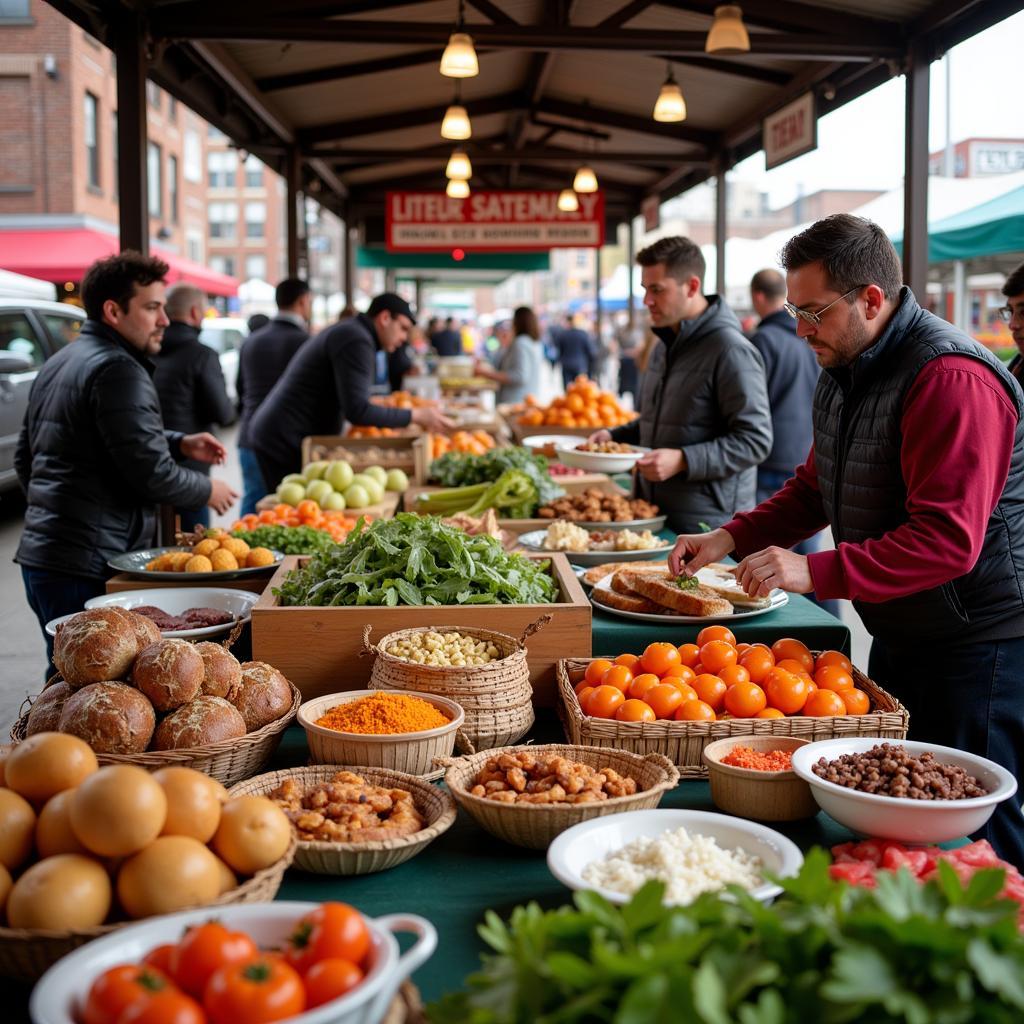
{"points": [[704, 392]]}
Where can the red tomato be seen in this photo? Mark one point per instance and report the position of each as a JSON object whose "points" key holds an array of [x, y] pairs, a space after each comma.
{"points": [[204, 950], [120, 987], [330, 979], [161, 957], [263, 990], [171, 1006], [332, 931]]}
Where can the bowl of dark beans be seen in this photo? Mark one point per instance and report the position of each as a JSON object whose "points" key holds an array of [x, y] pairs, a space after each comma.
{"points": [[907, 791]]}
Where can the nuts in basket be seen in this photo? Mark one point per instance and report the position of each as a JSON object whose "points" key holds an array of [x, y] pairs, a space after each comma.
{"points": [[444, 650], [549, 779]]}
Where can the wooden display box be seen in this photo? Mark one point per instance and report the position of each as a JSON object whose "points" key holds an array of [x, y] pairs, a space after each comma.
{"points": [[359, 451], [319, 649], [382, 510], [421, 452], [519, 431], [125, 581]]}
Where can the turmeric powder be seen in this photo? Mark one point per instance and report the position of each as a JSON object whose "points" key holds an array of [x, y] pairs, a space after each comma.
{"points": [[383, 713]]}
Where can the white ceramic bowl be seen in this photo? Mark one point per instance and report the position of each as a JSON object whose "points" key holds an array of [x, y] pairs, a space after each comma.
{"points": [[58, 997], [175, 600], [593, 840], [548, 444], [898, 818], [598, 462]]}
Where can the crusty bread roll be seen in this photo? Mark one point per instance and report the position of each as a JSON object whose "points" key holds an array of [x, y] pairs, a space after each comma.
{"points": [[169, 673], [146, 630], [222, 672], [46, 709], [94, 646], [264, 695], [204, 720], [113, 718]]}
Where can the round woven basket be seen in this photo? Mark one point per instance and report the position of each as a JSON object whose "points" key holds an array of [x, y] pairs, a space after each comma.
{"points": [[228, 761], [26, 953], [497, 698], [535, 825], [326, 858]]}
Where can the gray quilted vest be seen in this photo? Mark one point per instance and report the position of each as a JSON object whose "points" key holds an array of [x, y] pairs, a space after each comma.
{"points": [[857, 438]]}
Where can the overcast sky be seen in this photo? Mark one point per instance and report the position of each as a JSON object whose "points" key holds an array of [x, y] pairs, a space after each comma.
{"points": [[861, 144]]}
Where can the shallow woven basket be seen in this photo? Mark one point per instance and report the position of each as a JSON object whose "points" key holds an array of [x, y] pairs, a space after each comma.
{"points": [[497, 698], [683, 743], [25, 953], [326, 858], [535, 825], [228, 761]]}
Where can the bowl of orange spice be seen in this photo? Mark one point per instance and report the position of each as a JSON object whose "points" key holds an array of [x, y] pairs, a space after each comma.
{"points": [[398, 729], [752, 777]]}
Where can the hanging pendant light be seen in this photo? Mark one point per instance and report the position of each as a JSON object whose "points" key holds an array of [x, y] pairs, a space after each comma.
{"points": [[459, 57], [670, 105], [728, 33], [456, 124], [457, 188], [459, 166], [567, 201], [585, 180]]}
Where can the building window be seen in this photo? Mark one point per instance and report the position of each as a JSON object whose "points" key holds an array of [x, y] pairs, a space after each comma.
{"points": [[14, 10], [223, 219], [154, 172], [172, 187], [153, 94], [221, 166], [256, 266], [255, 220], [215, 134], [194, 246], [193, 156], [117, 156], [172, 109], [223, 265], [92, 149], [253, 172]]}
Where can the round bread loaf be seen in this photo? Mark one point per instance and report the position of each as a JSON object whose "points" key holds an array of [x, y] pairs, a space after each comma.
{"points": [[264, 695], [94, 646], [46, 709], [203, 720], [169, 673], [223, 673], [146, 630], [113, 718]]}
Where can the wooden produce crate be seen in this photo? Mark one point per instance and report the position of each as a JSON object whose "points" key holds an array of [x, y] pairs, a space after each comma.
{"points": [[421, 451], [319, 649], [683, 742], [125, 581], [359, 451], [519, 431], [382, 510]]}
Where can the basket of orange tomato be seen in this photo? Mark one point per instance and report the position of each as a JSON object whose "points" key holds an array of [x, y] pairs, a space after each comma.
{"points": [[583, 409], [676, 700]]}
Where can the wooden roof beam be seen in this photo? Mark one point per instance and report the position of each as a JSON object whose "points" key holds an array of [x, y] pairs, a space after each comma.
{"points": [[630, 122], [336, 72], [736, 68]]}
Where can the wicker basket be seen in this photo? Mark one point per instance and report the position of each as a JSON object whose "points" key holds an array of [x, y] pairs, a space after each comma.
{"points": [[326, 858], [228, 761], [683, 743], [497, 698], [25, 953], [535, 825]]}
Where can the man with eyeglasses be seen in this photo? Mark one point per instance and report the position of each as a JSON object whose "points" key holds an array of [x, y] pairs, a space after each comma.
{"points": [[1013, 314], [917, 466]]}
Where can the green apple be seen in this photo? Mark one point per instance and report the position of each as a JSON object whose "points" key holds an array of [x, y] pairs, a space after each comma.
{"points": [[379, 473], [356, 496], [373, 488], [318, 490], [315, 470], [339, 475], [294, 478], [396, 481], [334, 502], [291, 493]]}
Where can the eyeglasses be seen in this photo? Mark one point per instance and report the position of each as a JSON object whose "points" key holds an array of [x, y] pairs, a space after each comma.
{"points": [[814, 319], [1007, 313]]}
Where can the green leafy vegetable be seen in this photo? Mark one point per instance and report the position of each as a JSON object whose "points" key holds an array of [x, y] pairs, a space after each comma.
{"points": [[292, 540], [456, 470], [688, 582], [417, 560], [513, 496]]}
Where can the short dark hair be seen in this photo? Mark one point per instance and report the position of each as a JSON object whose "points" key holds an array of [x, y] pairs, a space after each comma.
{"points": [[853, 251], [256, 321], [524, 321], [392, 303], [769, 283], [681, 257], [1014, 282], [289, 291], [115, 277]]}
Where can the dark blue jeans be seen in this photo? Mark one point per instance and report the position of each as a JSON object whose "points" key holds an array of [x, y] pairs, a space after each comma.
{"points": [[969, 696], [53, 593], [254, 486]]}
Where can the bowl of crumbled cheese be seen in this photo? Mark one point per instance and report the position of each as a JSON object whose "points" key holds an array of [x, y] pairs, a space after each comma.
{"points": [[594, 547], [691, 852]]}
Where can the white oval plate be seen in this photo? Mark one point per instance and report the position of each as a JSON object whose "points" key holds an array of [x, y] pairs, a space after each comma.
{"points": [[175, 600], [534, 541], [599, 462]]}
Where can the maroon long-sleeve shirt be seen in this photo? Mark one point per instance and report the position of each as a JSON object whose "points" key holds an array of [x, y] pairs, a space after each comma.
{"points": [[958, 426]]}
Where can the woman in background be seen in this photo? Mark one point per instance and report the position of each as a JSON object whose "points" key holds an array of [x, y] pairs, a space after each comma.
{"points": [[518, 369]]}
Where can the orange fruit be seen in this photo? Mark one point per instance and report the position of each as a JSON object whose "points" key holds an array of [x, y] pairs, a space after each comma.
{"points": [[857, 701], [790, 648], [596, 669], [688, 692], [716, 654], [758, 661], [786, 691], [744, 700], [581, 685], [792, 665], [659, 658], [664, 699], [604, 702], [641, 684], [680, 671], [583, 695], [770, 713], [823, 703], [833, 677], [733, 674], [694, 711], [710, 689], [689, 654], [634, 711], [618, 676], [833, 658], [631, 661], [709, 633]]}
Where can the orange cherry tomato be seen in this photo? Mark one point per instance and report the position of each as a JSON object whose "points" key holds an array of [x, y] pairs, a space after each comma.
{"points": [[694, 711], [583, 695], [634, 710], [792, 665], [581, 685], [699, 669], [744, 700], [709, 633], [857, 701], [711, 690], [833, 677], [664, 699], [770, 713], [596, 669], [790, 648], [331, 931], [732, 674], [833, 658], [659, 658], [631, 661], [680, 671], [716, 654], [689, 654], [641, 684], [162, 958], [688, 692], [786, 691], [170, 1006], [263, 990], [824, 703], [204, 950], [330, 979], [118, 988], [618, 676], [740, 648], [604, 702]]}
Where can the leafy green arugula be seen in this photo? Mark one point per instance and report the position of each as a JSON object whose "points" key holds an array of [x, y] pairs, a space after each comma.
{"points": [[292, 540], [457, 470], [823, 953], [417, 560]]}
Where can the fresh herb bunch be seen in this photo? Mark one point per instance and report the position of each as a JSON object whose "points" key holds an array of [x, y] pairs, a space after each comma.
{"points": [[824, 953], [456, 470], [417, 560], [292, 540], [687, 582], [513, 496]]}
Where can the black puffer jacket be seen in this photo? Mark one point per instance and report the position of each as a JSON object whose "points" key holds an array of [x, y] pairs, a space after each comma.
{"points": [[93, 457]]}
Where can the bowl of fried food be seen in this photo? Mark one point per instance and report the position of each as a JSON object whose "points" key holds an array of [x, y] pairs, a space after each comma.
{"points": [[601, 456]]}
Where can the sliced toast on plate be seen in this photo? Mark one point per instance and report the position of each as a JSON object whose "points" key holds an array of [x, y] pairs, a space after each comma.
{"points": [[718, 577], [624, 602], [666, 592], [596, 573]]}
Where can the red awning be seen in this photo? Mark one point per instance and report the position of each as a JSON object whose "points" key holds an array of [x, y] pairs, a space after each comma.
{"points": [[65, 255]]}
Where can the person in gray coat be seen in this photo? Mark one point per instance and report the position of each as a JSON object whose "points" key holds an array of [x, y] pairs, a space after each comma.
{"points": [[703, 401]]}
